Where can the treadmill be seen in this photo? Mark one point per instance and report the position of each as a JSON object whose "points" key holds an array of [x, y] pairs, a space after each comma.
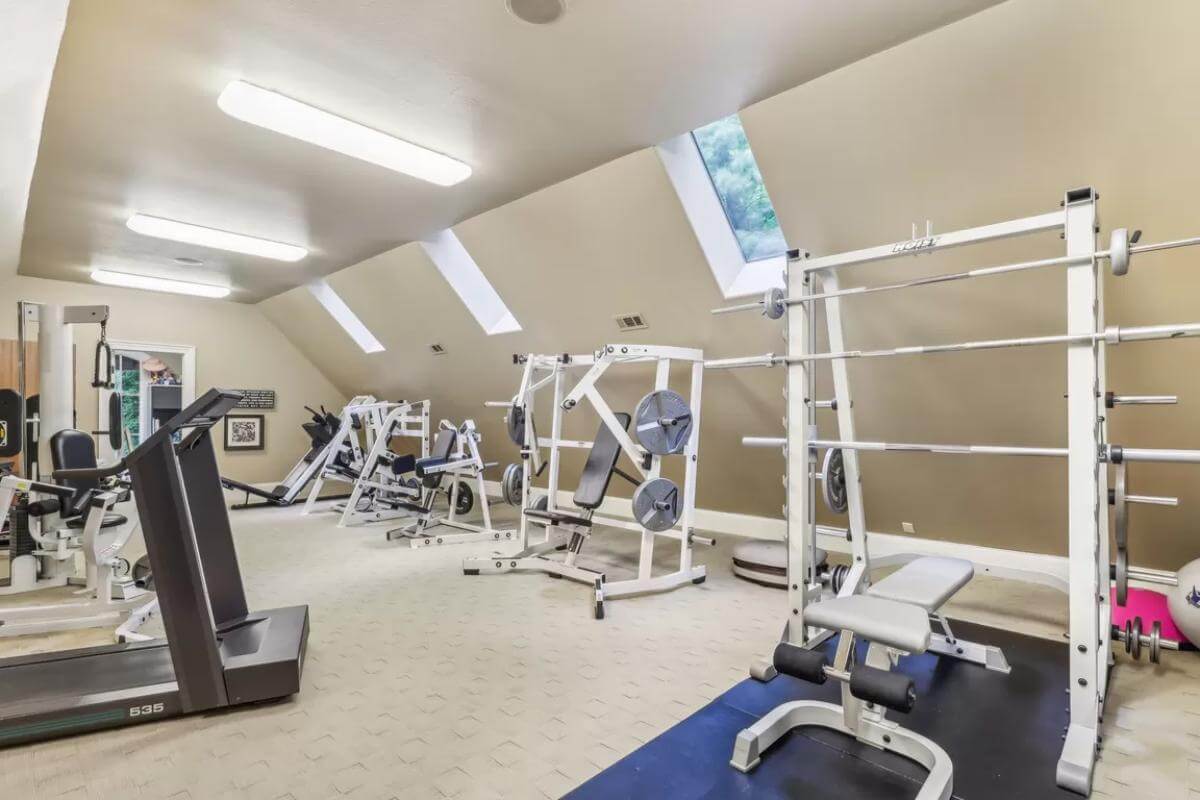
{"points": [[217, 652]]}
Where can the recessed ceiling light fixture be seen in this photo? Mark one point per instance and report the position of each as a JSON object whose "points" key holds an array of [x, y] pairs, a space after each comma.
{"points": [[131, 281], [537, 12], [290, 117], [211, 237]]}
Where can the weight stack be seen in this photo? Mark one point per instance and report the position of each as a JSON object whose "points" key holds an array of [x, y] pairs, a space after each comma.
{"points": [[21, 541]]}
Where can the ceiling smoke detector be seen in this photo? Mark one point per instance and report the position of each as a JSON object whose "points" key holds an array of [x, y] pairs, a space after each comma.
{"points": [[537, 12]]}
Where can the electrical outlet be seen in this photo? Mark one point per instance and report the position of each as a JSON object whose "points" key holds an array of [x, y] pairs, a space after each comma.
{"points": [[908, 527]]}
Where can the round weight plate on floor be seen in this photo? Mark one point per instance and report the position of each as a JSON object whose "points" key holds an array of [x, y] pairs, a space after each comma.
{"points": [[663, 422], [510, 484], [833, 481], [465, 500], [516, 424], [656, 504]]}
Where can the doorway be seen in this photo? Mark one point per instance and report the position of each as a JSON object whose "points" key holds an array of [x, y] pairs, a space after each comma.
{"points": [[153, 383]]}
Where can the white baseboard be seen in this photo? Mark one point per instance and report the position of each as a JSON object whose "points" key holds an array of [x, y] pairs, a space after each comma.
{"points": [[886, 548]]}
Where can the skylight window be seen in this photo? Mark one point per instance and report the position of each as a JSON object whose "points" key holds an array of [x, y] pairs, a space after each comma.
{"points": [[739, 184], [341, 312], [469, 283]]}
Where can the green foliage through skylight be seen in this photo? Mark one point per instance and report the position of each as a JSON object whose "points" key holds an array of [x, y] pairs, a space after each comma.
{"points": [[739, 184]]}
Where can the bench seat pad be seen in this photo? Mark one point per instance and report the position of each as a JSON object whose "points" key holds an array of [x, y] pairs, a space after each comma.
{"points": [[897, 625], [927, 582]]}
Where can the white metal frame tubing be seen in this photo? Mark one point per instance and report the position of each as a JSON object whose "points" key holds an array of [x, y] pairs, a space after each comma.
{"points": [[541, 371]]}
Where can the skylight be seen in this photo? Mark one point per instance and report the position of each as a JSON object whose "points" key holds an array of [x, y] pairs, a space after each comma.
{"points": [[341, 312], [469, 283], [739, 185]]}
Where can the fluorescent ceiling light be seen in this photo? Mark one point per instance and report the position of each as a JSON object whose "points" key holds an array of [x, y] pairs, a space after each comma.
{"points": [[211, 237], [290, 117], [341, 312], [131, 281]]}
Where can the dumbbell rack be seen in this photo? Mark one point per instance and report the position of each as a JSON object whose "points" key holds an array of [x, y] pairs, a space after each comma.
{"points": [[1086, 452]]}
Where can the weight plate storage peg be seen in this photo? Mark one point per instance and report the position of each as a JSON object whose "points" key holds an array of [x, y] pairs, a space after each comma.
{"points": [[833, 481], [663, 421], [656, 504]]}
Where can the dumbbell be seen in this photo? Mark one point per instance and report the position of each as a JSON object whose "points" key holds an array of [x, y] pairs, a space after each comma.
{"points": [[1134, 640], [882, 687]]}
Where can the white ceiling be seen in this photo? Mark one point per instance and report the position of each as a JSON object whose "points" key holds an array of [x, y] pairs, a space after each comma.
{"points": [[132, 122]]}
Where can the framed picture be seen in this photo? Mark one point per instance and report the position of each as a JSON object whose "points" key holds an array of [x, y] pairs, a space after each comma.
{"points": [[245, 432]]}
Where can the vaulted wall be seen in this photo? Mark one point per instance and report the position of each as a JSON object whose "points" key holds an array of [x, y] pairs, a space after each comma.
{"points": [[991, 118]]}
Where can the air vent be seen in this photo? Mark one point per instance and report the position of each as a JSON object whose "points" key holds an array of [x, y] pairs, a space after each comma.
{"points": [[631, 322], [437, 349]]}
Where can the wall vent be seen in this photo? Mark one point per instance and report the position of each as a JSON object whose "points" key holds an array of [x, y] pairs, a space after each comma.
{"points": [[437, 349], [631, 322]]}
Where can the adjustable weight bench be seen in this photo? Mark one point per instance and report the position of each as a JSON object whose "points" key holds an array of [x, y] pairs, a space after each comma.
{"points": [[894, 618]]}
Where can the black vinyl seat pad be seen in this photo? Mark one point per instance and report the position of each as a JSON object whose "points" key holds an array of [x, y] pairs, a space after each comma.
{"points": [[110, 521]]}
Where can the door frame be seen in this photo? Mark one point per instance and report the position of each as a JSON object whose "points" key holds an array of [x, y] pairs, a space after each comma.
{"points": [[187, 391]]}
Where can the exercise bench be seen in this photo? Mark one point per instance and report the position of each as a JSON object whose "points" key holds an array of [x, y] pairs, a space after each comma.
{"points": [[893, 617]]}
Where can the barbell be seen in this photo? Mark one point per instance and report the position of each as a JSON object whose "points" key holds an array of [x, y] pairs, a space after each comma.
{"points": [[1112, 335], [1122, 247]]}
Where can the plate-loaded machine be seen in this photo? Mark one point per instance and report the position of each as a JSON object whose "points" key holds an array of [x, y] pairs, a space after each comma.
{"points": [[320, 430], [894, 614], [217, 653], [360, 454], [455, 455], [665, 424]]}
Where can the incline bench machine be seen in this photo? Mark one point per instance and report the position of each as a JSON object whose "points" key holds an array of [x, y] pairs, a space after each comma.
{"points": [[320, 431], [664, 424]]}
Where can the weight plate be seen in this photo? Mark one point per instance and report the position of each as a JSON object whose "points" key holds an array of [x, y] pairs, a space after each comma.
{"points": [[773, 307], [510, 484], [465, 500], [516, 425], [1121, 533], [656, 504], [663, 421], [1118, 251], [542, 502], [833, 482]]}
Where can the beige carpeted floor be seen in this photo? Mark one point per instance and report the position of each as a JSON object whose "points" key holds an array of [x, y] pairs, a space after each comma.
{"points": [[425, 683]]}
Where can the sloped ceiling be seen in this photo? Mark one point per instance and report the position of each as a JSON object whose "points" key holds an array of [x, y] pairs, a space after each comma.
{"points": [[133, 125], [991, 118]]}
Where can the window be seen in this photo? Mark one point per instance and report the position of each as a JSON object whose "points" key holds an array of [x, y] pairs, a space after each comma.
{"points": [[469, 283], [739, 184], [341, 312]]}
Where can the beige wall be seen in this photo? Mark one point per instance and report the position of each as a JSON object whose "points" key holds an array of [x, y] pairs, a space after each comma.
{"points": [[990, 118], [236, 347]]}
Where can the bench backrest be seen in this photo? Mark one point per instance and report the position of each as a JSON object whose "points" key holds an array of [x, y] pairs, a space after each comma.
{"points": [[601, 461]]}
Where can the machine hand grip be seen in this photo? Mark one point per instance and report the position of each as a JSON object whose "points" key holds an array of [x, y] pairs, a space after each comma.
{"points": [[97, 473]]}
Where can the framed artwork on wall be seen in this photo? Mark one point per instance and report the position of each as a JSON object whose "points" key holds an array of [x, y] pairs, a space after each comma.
{"points": [[245, 432]]}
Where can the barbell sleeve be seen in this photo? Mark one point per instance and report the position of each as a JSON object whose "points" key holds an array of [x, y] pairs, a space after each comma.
{"points": [[1151, 500], [765, 360], [497, 403], [763, 441], [1145, 400]]}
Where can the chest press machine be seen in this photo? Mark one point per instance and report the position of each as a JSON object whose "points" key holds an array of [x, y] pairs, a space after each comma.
{"points": [[894, 614], [664, 424]]}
